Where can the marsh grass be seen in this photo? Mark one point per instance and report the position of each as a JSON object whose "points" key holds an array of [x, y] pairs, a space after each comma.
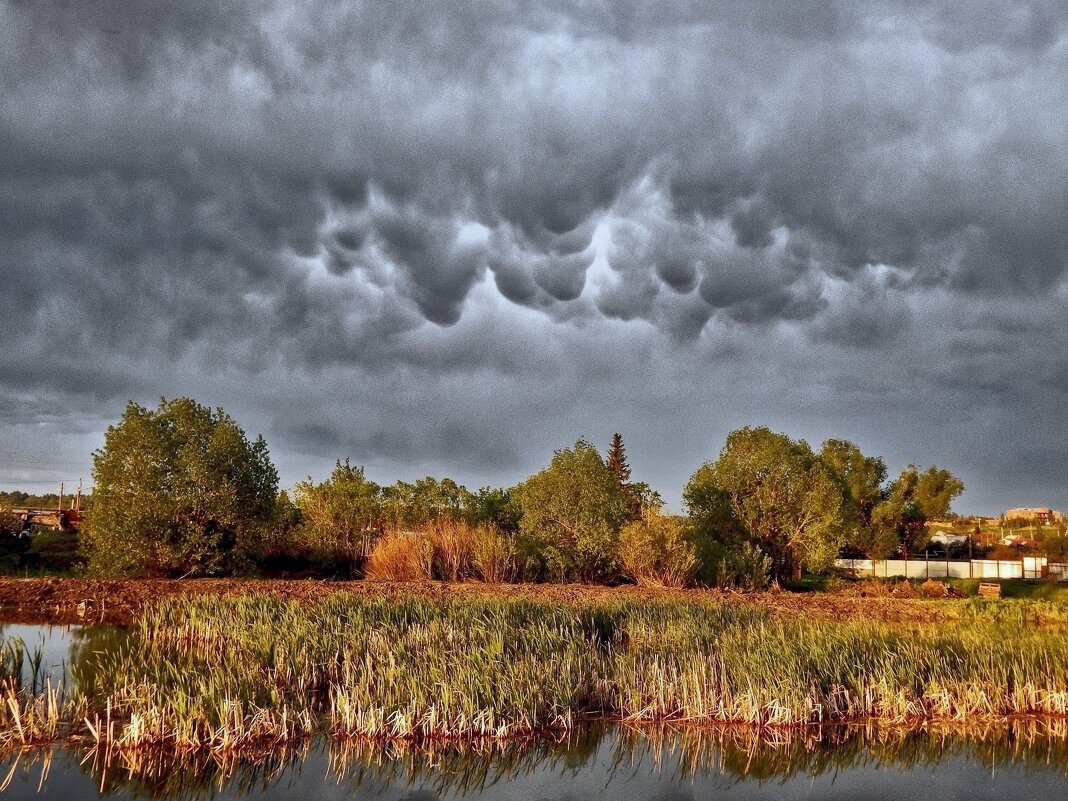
{"points": [[233, 673]]}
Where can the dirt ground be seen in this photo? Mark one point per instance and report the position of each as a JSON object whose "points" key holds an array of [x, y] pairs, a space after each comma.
{"points": [[55, 600]]}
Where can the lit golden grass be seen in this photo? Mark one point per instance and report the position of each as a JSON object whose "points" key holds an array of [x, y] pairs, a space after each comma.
{"points": [[244, 672]]}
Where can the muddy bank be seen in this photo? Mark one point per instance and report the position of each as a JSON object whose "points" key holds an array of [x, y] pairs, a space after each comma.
{"points": [[53, 600]]}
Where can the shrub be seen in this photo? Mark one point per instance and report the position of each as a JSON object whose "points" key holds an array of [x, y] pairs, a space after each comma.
{"points": [[56, 551], [657, 551], [746, 567], [401, 556], [10, 525]]}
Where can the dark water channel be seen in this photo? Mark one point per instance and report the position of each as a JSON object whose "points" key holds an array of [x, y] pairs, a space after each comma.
{"points": [[1025, 760], [51, 650]]}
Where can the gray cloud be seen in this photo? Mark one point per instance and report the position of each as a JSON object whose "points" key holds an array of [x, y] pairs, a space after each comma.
{"points": [[461, 234]]}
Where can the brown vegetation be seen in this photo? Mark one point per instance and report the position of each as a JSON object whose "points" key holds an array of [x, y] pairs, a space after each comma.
{"points": [[55, 600]]}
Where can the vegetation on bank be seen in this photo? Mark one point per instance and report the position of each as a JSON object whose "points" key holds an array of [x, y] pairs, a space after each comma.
{"points": [[180, 491], [229, 673]]}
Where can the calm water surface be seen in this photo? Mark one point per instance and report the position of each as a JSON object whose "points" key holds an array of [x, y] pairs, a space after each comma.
{"points": [[1026, 761], [608, 763]]}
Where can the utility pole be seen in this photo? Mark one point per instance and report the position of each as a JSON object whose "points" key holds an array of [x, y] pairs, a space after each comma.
{"points": [[59, 506]]}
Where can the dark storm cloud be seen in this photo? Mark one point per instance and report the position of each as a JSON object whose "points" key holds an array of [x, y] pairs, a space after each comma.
{"points": [[382, 198]]}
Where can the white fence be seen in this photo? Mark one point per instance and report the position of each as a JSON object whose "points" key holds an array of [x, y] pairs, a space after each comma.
{"points": [[1030, 567]]}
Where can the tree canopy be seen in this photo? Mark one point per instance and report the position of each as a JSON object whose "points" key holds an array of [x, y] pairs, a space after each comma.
{"points": [[911, 500], [342, 515], [178, 490], [779, 494], [411, 505], [572, 513]]}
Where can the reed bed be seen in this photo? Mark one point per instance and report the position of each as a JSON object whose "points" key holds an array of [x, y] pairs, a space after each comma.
{"points": [[234, 673]]}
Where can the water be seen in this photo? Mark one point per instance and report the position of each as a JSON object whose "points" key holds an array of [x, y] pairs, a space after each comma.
{"points": [[57, 647], [1025, 760], [602, 763]]}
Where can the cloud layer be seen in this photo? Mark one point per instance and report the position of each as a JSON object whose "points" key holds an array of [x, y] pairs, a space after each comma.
{"points": [[452, 237]]}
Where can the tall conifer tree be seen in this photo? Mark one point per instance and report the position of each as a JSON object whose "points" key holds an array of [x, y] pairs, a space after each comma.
{"points": [[617, 460]]}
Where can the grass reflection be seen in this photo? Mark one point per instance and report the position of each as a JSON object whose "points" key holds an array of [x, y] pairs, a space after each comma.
{"points": [[728, 754]]}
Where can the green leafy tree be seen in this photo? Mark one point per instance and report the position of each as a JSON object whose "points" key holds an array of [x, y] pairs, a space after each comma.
{"points": [[178, 491], [572, 513], [497, 506], [783, 497], [1055, 546], [711, 514], [911, 500], [862, 478], [428, 500], [342, 516]]}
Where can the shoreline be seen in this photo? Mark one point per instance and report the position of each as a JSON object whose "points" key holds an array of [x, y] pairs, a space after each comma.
{"points": [[74, 601], [976, 729]]}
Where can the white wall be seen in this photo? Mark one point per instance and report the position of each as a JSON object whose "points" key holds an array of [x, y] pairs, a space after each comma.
{"points": [[939, 568]]}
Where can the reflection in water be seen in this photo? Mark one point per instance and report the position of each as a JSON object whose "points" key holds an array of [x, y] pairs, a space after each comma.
{"points": [[53, 655], [1028, 756]]}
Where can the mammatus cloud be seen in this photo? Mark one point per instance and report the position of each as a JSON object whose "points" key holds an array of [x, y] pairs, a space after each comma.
{"points": [[451, 238]]}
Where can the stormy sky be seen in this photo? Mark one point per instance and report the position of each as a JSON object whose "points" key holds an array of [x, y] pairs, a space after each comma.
{"points": [[447, 238]]}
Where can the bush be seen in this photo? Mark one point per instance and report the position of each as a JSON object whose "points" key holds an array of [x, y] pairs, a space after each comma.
{"points": [[55, 551], [745, 567], [401, 556], [10, 524], [1055, 547], [657, 551]]}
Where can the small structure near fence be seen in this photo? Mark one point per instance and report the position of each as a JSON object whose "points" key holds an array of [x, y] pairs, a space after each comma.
{"points": [[1029, 567]]}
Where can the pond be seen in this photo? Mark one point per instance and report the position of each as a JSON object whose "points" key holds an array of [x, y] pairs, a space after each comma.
{"points": [[1023, 759], [50, 650], [606, 762]]}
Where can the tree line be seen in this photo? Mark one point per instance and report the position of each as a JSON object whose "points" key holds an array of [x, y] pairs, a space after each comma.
{"points": [[181, 491]]}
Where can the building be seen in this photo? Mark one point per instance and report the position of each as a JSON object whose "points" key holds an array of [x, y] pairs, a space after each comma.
{"points": [[1041, 515]]}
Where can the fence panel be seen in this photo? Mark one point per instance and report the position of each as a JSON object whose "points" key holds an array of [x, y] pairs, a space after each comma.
{"points": [[1033, 567]]}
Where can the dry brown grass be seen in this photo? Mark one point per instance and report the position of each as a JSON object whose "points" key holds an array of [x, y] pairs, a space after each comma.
{"points": [[493, 555], [401, 556], [447, 551]]}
